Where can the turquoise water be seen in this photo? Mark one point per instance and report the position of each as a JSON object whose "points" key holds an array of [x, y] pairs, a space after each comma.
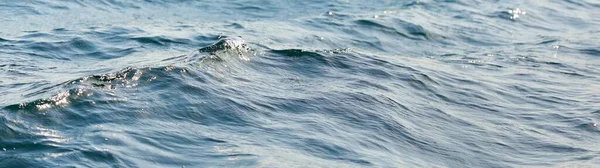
{"points": [[431, 83]]}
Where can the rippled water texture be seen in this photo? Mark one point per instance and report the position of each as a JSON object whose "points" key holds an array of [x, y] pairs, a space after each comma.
{"points": [[270, 83]]}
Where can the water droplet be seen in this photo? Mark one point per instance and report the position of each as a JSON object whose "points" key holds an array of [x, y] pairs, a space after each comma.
{"points": [[515, 13]]}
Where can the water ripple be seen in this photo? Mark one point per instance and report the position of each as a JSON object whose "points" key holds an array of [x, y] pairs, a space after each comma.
{"points": [[432, 83]]}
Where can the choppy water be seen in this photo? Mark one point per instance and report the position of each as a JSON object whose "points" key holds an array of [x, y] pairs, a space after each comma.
{"points": [[269, 83]]}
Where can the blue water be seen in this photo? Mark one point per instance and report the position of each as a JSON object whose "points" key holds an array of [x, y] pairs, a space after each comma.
{"points": [[279, 83]]}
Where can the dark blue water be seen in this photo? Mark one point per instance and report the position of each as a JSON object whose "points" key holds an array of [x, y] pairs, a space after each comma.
{"points": [[270, 83]]}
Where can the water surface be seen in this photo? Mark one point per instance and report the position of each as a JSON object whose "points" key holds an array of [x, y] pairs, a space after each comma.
{"points": [[269, 83]]}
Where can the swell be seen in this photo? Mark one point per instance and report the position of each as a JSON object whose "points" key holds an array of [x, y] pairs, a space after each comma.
{"points": [[192, 91], [39, 129], [42, 60], [331, 95], [216, 58], [223, 50]]}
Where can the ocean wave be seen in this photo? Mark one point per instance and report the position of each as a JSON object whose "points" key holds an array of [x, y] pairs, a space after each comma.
{"points": [[431, 83]]}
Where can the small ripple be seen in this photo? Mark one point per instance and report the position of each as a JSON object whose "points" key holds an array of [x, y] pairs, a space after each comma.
{"points": [[331, 151], [160, 40], [407, 29], [591, 51], [16, 10]]}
